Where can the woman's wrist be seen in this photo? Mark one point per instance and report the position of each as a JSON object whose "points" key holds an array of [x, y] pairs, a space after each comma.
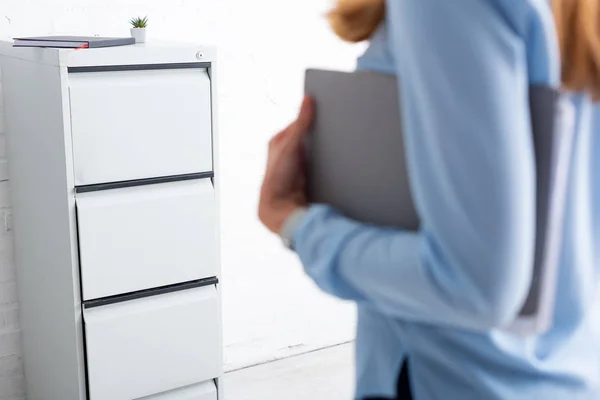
{"points": [[275, 216]]}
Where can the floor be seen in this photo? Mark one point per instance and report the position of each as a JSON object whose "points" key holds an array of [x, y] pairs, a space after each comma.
{"points": [[320, 375]]}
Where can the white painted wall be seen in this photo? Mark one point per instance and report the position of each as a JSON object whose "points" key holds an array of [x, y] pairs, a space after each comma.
{"points": [[271, 309]]}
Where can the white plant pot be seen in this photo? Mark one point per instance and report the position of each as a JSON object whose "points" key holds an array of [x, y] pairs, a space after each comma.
{"points": [[139, 34]]}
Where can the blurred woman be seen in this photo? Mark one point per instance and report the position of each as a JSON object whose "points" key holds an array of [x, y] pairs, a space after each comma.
{"points": [[432, 305]]}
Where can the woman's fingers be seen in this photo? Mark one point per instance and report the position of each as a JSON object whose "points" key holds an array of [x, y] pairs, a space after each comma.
{"points": [[283, 185], [279, 137], [305, 117], [295, 133]]}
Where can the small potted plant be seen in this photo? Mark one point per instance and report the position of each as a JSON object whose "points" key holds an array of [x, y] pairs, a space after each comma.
{"points": [[138, 30]]}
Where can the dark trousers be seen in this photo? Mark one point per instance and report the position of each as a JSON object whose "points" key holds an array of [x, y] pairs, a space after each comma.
{"points": [[403, 386]]}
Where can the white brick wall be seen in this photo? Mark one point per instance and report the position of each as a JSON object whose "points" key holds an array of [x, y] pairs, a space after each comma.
{"points": [[12, 384], [264, 46], [12, 380]]}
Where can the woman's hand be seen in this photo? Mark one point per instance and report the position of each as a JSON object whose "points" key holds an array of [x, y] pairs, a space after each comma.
{"points": [[284, 185]]}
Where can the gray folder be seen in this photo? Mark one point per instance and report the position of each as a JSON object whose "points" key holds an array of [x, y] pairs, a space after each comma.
{"points": [[356, 163]]}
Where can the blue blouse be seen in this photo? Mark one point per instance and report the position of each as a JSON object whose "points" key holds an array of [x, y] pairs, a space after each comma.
{"points": [[441, 296]]}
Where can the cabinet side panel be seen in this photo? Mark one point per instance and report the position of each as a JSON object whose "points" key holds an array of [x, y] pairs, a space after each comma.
{"points": [[213, 72], [41, 177]]}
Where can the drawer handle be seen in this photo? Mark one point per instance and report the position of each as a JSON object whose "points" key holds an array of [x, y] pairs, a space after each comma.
{"points": [[149, 292], [142, 182]]}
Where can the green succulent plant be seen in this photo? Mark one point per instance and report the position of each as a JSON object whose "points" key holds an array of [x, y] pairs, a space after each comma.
{"points": [[139, 22]]}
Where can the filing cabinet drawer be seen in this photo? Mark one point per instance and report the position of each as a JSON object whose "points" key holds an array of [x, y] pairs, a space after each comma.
{"points": [[143, 237], [202, 391], [150, 346], [129, 125]]}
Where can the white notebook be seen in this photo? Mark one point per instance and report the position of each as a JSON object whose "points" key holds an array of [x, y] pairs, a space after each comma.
{"points": [[365, 176]]}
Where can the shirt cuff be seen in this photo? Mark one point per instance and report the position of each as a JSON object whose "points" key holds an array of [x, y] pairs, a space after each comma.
{"points": [[291, 225]]}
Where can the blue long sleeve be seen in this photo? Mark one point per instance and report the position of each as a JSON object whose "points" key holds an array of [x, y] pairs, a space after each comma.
{"points": [[469, 152]]}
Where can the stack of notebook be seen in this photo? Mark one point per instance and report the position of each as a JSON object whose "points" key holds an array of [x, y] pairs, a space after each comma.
{"points": [[72, 42]]}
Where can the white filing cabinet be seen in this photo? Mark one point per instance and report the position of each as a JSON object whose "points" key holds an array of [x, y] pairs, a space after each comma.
{"points": [[115, 190]]}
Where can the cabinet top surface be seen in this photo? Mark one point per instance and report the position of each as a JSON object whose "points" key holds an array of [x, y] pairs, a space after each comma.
{"points": [[154, 52]]}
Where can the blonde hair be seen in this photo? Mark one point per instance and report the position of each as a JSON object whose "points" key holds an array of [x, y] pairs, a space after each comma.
{"points": [[356, 20], [577, 25]]}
